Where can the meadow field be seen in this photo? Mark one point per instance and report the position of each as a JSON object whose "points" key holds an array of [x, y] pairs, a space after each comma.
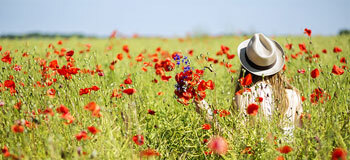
{"points": [[113, 98]]}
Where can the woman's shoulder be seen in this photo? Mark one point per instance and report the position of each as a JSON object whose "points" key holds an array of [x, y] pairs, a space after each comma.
{"points": [[260, 89], [292, 92], [293, 96]]}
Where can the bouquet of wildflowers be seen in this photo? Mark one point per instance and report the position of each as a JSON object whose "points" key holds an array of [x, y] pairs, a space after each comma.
{"points": [[189, 83]]}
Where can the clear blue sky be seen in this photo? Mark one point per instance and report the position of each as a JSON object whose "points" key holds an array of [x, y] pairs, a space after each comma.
{"points": [[174, 17]]}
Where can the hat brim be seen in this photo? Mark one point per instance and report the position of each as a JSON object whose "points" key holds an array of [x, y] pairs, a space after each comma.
{"points": [[267, 72]]}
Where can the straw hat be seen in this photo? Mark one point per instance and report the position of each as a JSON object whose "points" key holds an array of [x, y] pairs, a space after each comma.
{"points": [[261, 56]]}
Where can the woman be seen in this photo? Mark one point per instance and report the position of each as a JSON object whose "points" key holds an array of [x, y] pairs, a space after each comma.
{"points": [[262, 59]]}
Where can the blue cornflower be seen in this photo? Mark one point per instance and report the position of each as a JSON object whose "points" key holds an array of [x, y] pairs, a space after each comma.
{"points": [[187, 68]]}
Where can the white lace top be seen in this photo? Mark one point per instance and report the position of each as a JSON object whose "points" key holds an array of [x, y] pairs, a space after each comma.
{"points": [[267, 107]]}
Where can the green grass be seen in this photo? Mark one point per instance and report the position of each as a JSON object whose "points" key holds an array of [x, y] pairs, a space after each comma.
{"points": [[175, 130]]}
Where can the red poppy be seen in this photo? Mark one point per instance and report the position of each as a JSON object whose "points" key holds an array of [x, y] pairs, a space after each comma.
{"points": [[316, 56], [95, 88], [342, 60], [190, 52], [259, 99], [324, 51], [126, 48], [337, 71], [315, 73], [48, 111], [285, 149], [120, 56], [0, 47], [294, 56], [128, 81], [53, 64], [149, 153], [6, 58], [159, 71], [82, 135], [70, 53], [144, 69], [138, 139], [224, 113], [247, 80], [303, 98], [289, 46], [129, 91], [139, 58], [339, 153], [155, 81], [279, 158], [151, 112], [210, 84], [206, 126], [84, 91], [230, 56], [10, 84], [302, 47], [337, 50], [167, 65], [18, 105], [210, 59], [94, 108], [51, 93], [205, 141], [218, 145], [62, 109], [205, 85], [111, 66], [59, 42], [93, 130], [302, 71], [319, 95], [165, 78], [252, 109], [116, 94], [308, 32], [17, 128], [208, 153], [160, 93], [5, 150], [224, 49], [199, 72]]}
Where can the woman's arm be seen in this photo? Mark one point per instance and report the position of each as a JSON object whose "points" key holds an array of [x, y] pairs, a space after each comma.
{"points": [[204, 109]]}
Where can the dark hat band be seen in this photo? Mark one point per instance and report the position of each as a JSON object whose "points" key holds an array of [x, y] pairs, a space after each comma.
{"points": [[256, 66]]}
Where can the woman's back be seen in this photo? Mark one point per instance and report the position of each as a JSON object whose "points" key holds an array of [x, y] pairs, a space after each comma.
{"points": [[261, 93]]}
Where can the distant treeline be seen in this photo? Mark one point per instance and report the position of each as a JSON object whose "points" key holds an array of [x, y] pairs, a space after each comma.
{"points": [[77, 35], [43, 35], [344, 32]]}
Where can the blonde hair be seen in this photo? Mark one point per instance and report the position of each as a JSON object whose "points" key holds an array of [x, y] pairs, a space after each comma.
{"points": [[279, 85]]}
